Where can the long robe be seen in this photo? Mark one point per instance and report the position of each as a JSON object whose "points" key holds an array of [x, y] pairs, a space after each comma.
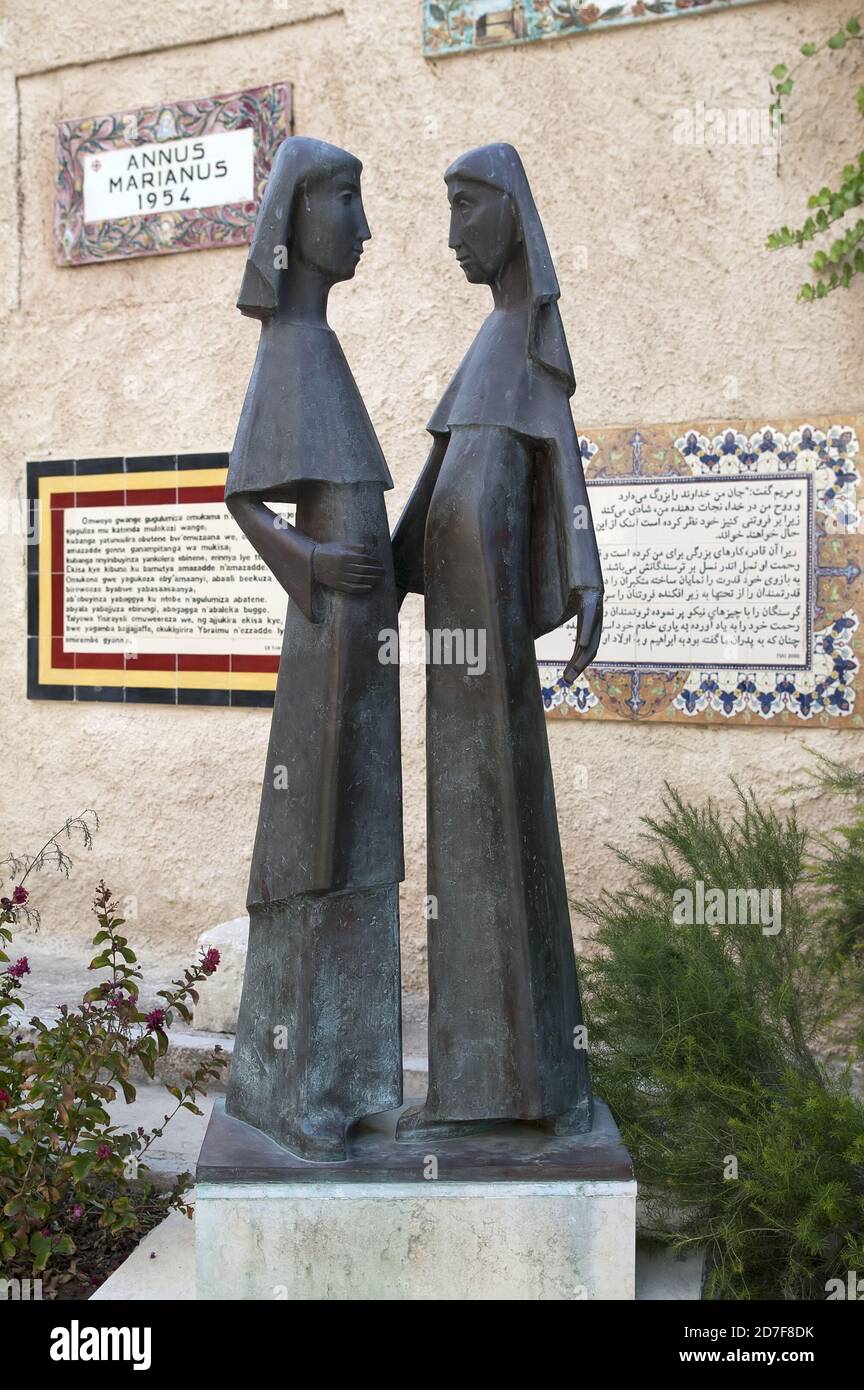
{"points": [[319, 1032], [491, 538]]}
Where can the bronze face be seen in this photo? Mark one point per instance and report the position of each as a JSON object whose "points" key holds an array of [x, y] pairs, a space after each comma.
{"points": [[484, 229], [329, 225]]}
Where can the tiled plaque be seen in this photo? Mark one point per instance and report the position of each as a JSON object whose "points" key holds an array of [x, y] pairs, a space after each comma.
{"points": [[731, 553], [180, 176], [142, 588], [462, 26], [732, 559]]}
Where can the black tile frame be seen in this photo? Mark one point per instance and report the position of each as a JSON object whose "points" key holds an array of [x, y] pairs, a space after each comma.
{"points": [[116, 694]]}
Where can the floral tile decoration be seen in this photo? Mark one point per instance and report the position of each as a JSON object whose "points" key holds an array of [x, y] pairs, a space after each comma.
{"points": [[462, 26], [150, 226], [747, 533]]}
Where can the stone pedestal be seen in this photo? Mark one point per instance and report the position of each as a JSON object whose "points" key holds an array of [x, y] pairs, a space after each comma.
{"points": [[517, 1215]]}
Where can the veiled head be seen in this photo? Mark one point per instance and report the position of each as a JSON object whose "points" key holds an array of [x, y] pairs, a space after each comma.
{"points": [[494, 218], [312, 213]]}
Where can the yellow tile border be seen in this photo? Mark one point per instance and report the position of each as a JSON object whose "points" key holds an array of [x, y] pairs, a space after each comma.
{"points": [[49, 486]]}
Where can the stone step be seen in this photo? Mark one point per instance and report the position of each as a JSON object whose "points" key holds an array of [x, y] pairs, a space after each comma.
{"points": [[187, 1048]]}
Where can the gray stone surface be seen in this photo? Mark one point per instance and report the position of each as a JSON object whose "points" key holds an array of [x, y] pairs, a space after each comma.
{"points": [[163, 1267], [217, 1009], [436, 1241]]}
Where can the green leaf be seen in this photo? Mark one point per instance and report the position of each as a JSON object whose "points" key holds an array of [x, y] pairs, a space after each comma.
{"points": [[853, 26], [81, 1164], [41, 1248], [837, 40], [808, 49], [780, 72], [437, 14]]}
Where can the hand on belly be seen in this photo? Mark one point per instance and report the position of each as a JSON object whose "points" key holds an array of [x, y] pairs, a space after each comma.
{"points": [[348, 568]]}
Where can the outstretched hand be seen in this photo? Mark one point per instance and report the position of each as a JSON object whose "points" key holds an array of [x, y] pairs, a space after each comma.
{"points": [[588, 634], [348, 568]]}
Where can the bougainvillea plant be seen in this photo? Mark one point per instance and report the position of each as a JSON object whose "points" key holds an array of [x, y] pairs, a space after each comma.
{"points": [[836, 267], [66, 1168]]}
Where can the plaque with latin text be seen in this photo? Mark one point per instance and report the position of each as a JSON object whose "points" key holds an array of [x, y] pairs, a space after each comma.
{"points": [[177, 176]]}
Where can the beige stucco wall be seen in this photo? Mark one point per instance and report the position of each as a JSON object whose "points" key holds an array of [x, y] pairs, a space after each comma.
{"points": [[673, 310]]}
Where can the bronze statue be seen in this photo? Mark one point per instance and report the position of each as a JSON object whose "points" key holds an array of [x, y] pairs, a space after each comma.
{"points": [[319, 1032], [497, 536]]}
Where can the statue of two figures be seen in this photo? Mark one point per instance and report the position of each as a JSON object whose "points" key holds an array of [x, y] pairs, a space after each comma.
{"points": [[497, 537]]}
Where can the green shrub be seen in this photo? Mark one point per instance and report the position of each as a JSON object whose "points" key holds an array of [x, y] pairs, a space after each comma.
{"points": [[703, 1037], [73, 1185], [838, 265], [839, 867]]}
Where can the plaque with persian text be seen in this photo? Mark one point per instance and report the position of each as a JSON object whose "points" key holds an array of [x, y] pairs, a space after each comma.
{"points": [[732, 560]]}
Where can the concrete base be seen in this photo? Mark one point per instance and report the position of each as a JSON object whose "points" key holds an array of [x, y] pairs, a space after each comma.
{"points": [[510, 1217]]}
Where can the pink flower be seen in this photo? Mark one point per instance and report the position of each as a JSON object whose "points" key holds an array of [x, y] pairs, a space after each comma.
{"points": [[4, 1098], [210, 961], [19, 895], [155, 1019], [103, 1151], [77, 1211], [19, 969]]}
